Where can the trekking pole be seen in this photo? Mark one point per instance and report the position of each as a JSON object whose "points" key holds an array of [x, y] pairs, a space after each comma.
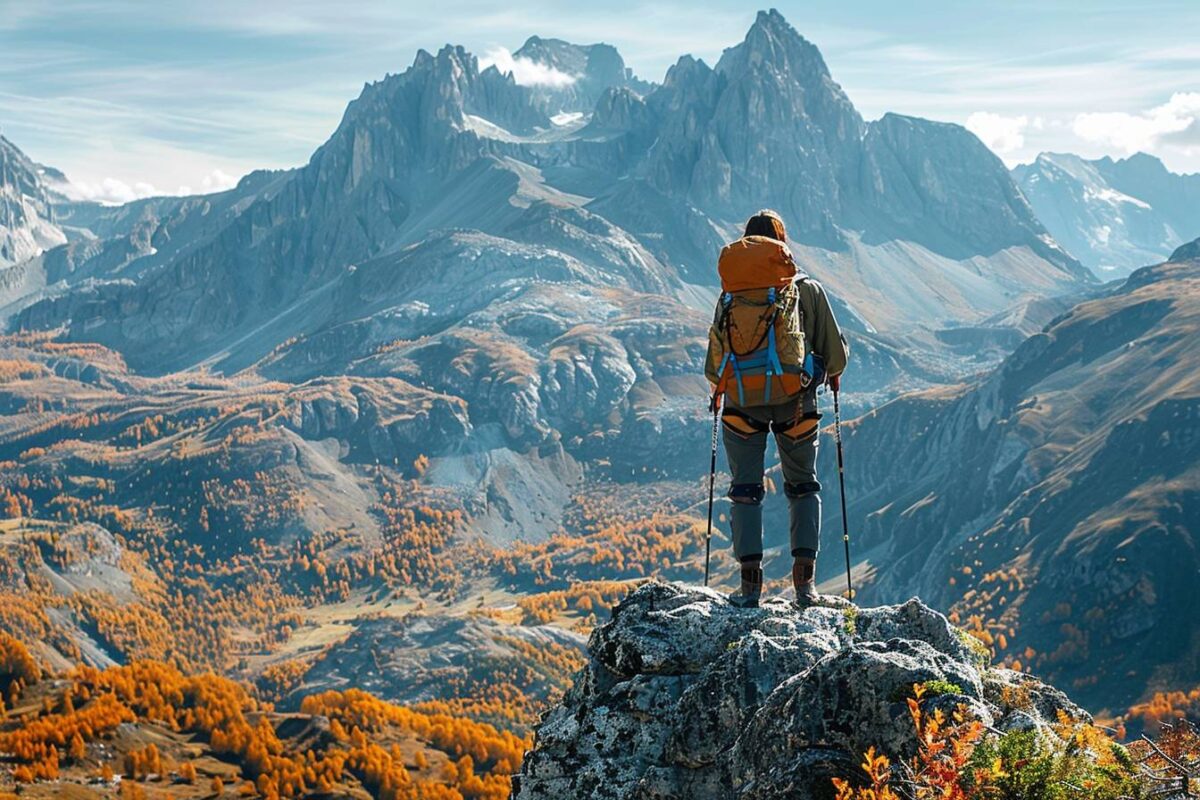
{"points": [[712, 478], [837, 435]]}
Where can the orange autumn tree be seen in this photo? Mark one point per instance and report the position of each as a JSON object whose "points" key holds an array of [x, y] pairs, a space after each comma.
{"points": [[941, 767], [17, 666], [236, 726]]}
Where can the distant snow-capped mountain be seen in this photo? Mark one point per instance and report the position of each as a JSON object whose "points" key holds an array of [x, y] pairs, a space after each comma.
{"points": [[1114, 216]]}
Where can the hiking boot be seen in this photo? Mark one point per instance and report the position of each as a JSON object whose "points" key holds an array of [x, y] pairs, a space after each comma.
{"points": [[804, 575], [751, 588]]}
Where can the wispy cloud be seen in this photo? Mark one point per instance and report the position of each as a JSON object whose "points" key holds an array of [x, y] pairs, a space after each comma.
{"points": [[525, 71], [110, 191]]}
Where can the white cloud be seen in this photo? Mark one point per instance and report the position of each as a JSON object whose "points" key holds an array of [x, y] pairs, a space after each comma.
{"points": [[1000, 133], [525, 71], [1142, 131], [113, 191], [109, 191], [217, 181]]}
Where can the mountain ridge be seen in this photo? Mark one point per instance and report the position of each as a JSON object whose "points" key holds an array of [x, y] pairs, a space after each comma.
{"points": [[387, 176], [1115, 215], [1064, 478]]}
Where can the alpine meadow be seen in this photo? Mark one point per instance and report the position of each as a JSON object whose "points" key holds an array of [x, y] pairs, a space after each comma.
{"points": [[560, 432]]}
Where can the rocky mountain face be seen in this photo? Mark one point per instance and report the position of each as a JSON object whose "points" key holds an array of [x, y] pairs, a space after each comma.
{"points": [[458, 232], [684, 695], [27, 219], [1056, 498], [594, 70], [1114, 216]]}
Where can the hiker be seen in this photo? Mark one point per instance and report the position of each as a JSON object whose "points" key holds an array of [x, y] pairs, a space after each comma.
{"points": [[773, 342]]}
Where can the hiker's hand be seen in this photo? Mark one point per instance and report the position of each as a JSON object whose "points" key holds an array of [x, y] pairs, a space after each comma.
{"points": [[834, 383]]}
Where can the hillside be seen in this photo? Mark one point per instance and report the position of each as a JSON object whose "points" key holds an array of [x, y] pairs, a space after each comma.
{"points": [[1054, 501], [145, 730]]}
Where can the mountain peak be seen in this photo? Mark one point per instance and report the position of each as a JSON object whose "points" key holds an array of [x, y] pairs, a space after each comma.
{"points": [[771, 19], [771, 40]]}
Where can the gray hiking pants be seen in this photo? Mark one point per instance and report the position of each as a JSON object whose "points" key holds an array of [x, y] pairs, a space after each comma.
{"points": [[795, 424]]}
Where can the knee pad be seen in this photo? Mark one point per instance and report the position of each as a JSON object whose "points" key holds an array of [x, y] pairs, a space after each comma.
{"points": [[748, 493], [801, 489]]}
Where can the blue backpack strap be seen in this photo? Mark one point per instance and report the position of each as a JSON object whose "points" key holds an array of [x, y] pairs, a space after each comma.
{"points": [[737, 374], [773, 365]]}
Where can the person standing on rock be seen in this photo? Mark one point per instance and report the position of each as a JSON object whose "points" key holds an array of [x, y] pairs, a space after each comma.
{"points": [[774, 340]]}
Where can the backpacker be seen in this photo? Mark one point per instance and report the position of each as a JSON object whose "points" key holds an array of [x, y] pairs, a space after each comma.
{"points": [[756, 348]]}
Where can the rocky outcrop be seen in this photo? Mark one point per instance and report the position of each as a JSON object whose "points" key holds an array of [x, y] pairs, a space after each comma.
{"points": [[1187, 252], [383, 419], [685, 695]]}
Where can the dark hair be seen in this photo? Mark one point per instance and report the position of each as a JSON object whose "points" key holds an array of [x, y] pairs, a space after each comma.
{"points": [[766, 223]]}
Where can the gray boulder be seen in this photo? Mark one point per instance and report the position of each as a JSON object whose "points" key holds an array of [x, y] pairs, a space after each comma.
{"points": [[685, 695]]}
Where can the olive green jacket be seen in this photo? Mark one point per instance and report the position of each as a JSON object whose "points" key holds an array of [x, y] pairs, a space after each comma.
{"points": [[821, 328]]}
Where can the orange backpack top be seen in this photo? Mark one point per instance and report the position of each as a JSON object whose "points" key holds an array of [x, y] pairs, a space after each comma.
{"points": [[756, 262], [756, 342]]}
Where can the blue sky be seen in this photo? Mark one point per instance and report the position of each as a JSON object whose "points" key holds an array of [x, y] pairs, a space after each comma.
{"points": [[132, 97]]}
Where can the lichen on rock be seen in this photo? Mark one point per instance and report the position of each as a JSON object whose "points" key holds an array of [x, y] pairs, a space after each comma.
{"points": [[687, 696]]}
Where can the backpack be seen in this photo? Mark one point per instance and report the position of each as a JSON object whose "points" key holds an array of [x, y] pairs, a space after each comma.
{"points": [[756, 344]]}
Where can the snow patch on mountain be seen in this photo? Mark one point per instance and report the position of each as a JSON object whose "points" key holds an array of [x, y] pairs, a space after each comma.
{"points": [[1114, 216]]}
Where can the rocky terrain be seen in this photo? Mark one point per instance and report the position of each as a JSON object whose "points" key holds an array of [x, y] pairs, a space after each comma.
{"points": [[1114, 216], [685, 695]]}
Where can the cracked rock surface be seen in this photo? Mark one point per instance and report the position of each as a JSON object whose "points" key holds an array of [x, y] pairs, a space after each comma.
{"points": [[685, 695]]}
